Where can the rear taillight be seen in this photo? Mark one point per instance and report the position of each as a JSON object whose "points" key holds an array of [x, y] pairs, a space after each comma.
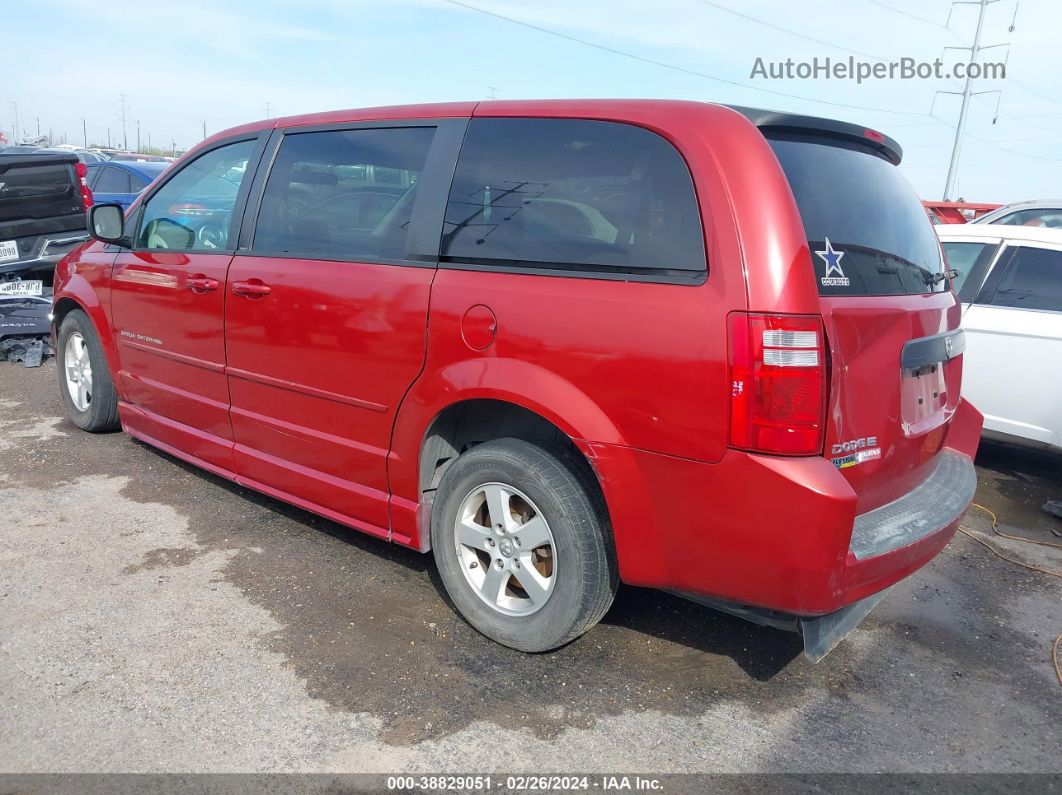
{"points": [[777, 383], [82, 178]]}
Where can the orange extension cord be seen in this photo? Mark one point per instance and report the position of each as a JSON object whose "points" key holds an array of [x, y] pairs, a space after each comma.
{"points": [[998, 532]]}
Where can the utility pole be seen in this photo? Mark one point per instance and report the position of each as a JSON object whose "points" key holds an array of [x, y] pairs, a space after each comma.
{"points": [[125, 139], [109, 138], [17, 132], [204, 129], [267, 107], [967, 92], [84, 131], [138, 135]]}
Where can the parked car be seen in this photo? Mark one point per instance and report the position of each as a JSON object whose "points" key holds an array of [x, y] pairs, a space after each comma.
{"points": [[559, 344], [139, 158], [1043, 212], [86, 156], [1010, 285], [42, 217], [120, 182], [18, 149], [42, 212]]}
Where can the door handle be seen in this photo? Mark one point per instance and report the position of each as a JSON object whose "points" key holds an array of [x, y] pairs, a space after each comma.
{"points": [[201, 284], [252, 288]]}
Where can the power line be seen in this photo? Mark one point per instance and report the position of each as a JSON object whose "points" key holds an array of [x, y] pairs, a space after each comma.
{"points": [[1034, 126], [1023, 119], [995, 145], [1015, 151], [903, 13], [673, 67], [914, 123], [791, 32], [1034, 92]]}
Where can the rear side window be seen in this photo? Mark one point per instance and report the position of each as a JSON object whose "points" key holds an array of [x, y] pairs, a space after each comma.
{"points": [[342, 194], [572, 194], [964, 258], [1033, 280], [112, 180], [880, 241]]}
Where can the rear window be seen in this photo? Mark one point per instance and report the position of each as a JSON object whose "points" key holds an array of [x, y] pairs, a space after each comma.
{"points": [[572, 194], [868, 231], [35, 182], [36, 190]]}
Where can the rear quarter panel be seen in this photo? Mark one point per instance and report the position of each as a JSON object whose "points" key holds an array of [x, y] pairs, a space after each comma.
{"points": [[629, 363]]}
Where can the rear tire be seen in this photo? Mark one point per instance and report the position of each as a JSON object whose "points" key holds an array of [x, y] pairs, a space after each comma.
{"points": [[84, 378], [523, 543]]}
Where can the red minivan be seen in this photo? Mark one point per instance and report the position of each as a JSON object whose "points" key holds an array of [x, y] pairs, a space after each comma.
{"points": [[560, 344]]}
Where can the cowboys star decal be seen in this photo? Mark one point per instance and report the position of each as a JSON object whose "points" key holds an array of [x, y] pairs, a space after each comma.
{"points": [[832, 259]]}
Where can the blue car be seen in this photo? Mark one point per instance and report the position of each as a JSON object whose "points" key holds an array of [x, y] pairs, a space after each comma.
{"points": [[119, 182]]}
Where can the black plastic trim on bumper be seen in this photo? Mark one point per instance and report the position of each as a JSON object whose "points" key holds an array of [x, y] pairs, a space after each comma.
{"points": [[937, 502], [821, 634]]}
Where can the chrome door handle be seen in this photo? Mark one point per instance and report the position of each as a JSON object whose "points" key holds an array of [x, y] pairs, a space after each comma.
{"points": [[252, 288], [201, 284]]}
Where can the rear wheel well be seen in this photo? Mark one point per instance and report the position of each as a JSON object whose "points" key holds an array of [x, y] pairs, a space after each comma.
{"points": [[464, 425]]}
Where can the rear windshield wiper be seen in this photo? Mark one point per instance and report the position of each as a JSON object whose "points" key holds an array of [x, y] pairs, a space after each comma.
{"points": [[936, 278], [931, 278]]}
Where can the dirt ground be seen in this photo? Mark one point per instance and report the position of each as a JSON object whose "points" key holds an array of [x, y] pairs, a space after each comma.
{"points": [[156, 618]]}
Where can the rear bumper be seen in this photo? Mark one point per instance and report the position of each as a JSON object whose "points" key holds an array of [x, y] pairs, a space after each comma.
{"points": [[780, 534], [45, 252], [936, 503]]}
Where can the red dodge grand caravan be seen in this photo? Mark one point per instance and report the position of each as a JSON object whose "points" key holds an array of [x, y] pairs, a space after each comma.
{"points": [[561, 344]]}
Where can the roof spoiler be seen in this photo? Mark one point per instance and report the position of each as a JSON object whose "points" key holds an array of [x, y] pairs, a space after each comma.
{"points": [[793, 123], [21, 158]]}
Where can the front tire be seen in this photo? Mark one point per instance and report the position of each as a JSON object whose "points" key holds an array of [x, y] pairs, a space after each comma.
{"points": [[84, 379], [523, 543]]}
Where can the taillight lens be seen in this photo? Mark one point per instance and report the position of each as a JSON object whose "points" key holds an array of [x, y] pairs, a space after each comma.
{"points": [[777, 383], [82, 178]]}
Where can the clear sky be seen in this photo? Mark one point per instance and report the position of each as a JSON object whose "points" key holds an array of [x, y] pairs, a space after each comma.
{"points": [[186, 63]]}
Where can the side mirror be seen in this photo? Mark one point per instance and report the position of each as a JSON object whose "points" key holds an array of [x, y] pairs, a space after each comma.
{"points": [[105, 223]]}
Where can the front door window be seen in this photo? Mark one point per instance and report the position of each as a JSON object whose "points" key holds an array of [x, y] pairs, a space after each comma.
{"points": [[193, 211]]}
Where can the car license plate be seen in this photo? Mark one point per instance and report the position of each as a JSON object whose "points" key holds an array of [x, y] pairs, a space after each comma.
{"points": [[26, 288], [8, 250]]}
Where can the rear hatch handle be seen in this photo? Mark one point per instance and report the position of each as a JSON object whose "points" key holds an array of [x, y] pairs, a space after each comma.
{"points": [[931, 350]]}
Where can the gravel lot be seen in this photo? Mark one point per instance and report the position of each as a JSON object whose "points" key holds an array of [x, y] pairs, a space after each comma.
{"points": [[156, 618]]}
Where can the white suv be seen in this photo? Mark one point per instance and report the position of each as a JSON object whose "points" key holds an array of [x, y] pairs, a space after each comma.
{"points": [[1010, 284]]}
